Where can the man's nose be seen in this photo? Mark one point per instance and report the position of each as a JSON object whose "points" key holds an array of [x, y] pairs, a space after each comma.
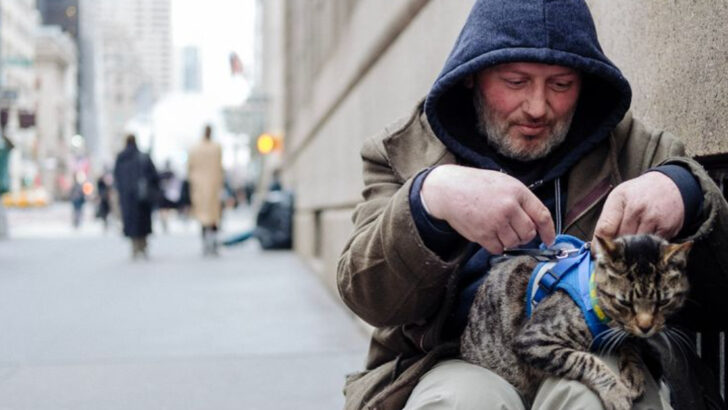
{"points": [[536, 105]]}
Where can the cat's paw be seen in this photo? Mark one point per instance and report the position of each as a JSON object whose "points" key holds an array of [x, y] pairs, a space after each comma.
{"points": [[617, 398], [632, 374], [635, 383]]}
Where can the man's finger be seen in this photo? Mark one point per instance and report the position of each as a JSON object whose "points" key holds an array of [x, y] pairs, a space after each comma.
{"points": [[631, 220], [524, 227], [492, 245], [540, 216], [611, 217], [647, 226], [508, 237]]}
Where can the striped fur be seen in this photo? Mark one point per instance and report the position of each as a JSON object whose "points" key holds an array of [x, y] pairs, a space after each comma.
{"points": [[640, 281]]}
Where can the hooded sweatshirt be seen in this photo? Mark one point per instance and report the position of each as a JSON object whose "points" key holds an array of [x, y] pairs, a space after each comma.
{"points": [[557, 32]]}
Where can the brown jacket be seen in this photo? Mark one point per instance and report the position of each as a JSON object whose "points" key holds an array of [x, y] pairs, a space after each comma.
{"points": [[389, 278]]}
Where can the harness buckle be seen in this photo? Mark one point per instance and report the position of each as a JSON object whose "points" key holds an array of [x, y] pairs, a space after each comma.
{"points": [[548, 281], [566, 253]]}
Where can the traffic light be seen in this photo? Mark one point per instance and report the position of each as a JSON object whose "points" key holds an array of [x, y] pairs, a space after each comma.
{"points": [[268, 143]]}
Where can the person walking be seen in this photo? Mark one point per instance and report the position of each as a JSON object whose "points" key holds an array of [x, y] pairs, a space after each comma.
{"points": [[103, 189], [206, 178], [171, 189], [137, 182], [78, 199]]}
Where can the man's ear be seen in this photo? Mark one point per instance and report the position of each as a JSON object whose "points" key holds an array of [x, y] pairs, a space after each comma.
{"points": [[469, 81]]}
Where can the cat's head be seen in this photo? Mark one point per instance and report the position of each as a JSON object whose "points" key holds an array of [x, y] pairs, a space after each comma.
{"points": [[640, 281]]}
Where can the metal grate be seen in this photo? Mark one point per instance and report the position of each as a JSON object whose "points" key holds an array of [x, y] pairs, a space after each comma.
{"points": [[712, 346]]}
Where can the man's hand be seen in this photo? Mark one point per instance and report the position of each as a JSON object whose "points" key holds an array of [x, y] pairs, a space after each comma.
{"points": [[491, 208], [650, 203]]}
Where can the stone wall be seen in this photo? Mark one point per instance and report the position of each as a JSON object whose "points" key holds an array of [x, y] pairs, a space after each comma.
{"points": [[675, 55]]}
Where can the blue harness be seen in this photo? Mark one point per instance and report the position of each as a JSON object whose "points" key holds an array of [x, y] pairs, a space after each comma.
{"points": [[573, 273]]}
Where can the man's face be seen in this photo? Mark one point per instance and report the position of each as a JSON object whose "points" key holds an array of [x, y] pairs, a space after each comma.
{"points": [[525, 109]]}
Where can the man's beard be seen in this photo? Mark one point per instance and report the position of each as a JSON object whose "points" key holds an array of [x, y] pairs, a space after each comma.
{"points": [[496, 133]]}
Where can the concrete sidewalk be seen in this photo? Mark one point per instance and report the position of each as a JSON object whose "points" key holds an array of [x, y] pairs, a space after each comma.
{"points": [[84, 327]]}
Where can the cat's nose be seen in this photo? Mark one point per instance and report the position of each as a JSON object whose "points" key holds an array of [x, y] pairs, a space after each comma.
{"points": [[645, 329], [644, 322]]}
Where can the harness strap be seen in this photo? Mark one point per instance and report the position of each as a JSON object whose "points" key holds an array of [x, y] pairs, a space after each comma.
{"points": [[551, 277]]}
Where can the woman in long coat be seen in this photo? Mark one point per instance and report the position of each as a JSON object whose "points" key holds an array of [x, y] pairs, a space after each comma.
{"points": [[136, 180], [206, 178]]}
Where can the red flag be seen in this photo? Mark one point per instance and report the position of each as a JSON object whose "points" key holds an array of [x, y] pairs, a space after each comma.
{"points": [[236, 65]]}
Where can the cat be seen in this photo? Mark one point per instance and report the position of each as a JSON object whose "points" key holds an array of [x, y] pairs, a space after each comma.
{"points": [[640, 280]]}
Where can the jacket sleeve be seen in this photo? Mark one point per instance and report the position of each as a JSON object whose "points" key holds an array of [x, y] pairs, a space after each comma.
{"points": [[386, 274]]}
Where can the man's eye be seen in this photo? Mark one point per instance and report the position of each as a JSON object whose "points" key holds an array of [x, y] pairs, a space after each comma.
{"points": [[516, 83], [561, 86]]}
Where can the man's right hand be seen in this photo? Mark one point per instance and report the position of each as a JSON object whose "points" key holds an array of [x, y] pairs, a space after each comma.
{"points": [[488, 207]]}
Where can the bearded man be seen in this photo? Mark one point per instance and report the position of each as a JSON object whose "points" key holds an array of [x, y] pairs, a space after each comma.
{"points": [[525, 134]]}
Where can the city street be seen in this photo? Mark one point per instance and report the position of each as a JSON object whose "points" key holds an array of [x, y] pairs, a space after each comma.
{"points": [[82, 326]]}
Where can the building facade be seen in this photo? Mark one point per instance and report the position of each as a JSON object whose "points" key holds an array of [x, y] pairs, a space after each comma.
{"points": [[126, 67], [352, 67], [56, 68], [63, 13], [19, 20]]}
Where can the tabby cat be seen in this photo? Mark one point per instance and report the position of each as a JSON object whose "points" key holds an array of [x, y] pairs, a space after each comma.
{"points": [[640, 280]]}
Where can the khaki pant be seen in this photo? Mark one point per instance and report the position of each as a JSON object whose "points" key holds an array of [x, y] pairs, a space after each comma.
{"points": [[455, 384]]}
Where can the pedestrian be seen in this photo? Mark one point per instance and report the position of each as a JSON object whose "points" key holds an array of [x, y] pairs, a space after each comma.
{"points": [[525, 134], [78, 199], [137, 183], [205, 174], [171, 190], [5, 147], [103, 192]]}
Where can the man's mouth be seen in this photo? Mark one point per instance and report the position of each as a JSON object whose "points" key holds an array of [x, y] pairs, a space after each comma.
{"points": [[532, 129]]}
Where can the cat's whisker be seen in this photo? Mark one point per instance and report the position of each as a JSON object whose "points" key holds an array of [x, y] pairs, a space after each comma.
{"points": [[615, 341], [622, 337], [682, 338], [605, 336], [610, 346], [671, 338], [694, 302], [666, 339], [689, 341]]}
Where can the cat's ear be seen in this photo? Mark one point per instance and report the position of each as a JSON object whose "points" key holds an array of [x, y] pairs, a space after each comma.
{"points": [[677, 253], [607, 247]]}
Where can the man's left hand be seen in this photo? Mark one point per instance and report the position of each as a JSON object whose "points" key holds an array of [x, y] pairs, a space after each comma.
{"points": [[650, 203]]}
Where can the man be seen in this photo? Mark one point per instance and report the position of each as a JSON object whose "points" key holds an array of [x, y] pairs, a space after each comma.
{"points": [[525, 134], [206, 180], [136, 181]]}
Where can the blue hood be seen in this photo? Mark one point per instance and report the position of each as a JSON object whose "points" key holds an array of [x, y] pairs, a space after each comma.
{"points": [[546, 31]]}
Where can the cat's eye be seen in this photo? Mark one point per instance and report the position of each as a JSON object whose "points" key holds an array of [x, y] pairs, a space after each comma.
{"points": [[624, 303], [663, 302]]}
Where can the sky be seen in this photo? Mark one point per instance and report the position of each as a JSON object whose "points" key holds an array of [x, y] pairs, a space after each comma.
{"points": [[217, 28]]}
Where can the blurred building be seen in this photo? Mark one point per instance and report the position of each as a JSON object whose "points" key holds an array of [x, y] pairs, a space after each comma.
{"points": [[62, 13], [191, 70], [19, 20], [352, 67], [56, 68], [126, 67]]}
